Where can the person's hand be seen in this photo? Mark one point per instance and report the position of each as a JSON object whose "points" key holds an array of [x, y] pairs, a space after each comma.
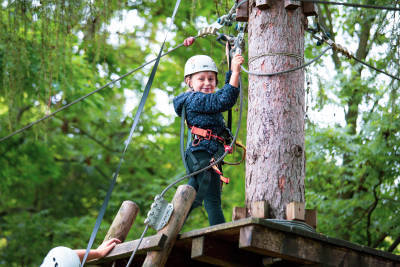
{"points": [[106, 247], [237, 61]]}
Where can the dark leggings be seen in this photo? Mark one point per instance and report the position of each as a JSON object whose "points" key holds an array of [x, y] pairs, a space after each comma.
{"points": [[207, 185]]}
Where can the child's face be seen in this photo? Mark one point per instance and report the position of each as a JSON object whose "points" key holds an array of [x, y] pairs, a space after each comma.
{"points": [[204, 82]]}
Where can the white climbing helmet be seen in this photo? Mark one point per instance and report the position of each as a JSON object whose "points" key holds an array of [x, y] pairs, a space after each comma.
{"points": [[200, 63], [61, 257]]}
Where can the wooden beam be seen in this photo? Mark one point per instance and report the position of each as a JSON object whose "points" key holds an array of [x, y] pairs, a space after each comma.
{"points": [[182, 202], [263, 4], [292, 4], [295, 211], [303, 250], [242, 13], [238, 213], [311, 218], [123, 221], [124, 250], [222, 253], [259, 209]]}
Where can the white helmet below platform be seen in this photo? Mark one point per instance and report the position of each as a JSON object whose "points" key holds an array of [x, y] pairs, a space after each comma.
{"points": [[61, 257], [200, 63]]}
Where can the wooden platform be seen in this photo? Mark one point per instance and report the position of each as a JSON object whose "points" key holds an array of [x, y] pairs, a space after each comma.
{"points": [[253, 242]]}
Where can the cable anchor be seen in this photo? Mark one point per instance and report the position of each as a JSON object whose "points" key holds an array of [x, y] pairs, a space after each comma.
{"points": [[159, 214]]}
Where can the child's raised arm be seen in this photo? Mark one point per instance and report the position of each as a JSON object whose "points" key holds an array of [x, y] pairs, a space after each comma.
{"points": [[237, 61]]}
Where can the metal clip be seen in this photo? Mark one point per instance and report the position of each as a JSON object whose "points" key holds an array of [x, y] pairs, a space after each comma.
{"points": [[159, 214]]}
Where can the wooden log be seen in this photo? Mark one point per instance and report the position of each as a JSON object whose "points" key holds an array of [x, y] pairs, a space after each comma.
{"points": [[123, 221], [303, 250], [311, 218], [242, 13], [309, 9], [182, 202], [222, 253], [292, 4], [124, 250], [259, 209], [238, 213], [263, 4], [295, 211]]}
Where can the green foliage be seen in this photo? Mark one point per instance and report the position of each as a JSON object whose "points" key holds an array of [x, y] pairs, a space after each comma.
{"points": [[54, 176], [352, 167]]}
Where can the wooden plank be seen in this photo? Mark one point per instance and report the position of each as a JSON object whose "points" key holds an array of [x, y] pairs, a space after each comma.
{"points": [[124, 250], [303, 250], [259, 209], [292, 4], [263, 4], [238, 213], [242, 13], [311, 218], [295, 211], [222, 253], [123, 221], [182, 202]]}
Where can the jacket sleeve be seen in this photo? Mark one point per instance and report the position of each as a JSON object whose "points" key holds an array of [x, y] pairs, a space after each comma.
{"points": [[179, 101], [220, 101]]}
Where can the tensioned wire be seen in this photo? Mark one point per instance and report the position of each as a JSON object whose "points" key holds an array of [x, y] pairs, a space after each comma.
{"points": [[353, 5], [87, 95]]}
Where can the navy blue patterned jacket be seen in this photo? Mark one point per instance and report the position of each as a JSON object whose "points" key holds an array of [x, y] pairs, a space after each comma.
{"points": [[204, 111]]}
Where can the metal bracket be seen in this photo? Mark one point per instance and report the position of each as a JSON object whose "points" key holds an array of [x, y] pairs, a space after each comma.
{"points": [[159, 214]]}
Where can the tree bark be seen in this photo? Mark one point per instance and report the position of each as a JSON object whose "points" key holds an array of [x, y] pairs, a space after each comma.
{"points": [[275, 166]]}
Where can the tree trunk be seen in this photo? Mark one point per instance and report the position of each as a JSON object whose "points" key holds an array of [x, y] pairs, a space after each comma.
{"points": [[275, 166]]}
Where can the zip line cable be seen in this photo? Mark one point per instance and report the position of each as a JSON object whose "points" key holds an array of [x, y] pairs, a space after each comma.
{"points": [[173, 49], [374, 68], [87, 95], [353, 5], [340, 49], [135, 122]]}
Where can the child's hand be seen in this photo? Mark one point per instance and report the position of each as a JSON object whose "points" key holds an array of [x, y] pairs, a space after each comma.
{"points": [[237, 61], [106, 247]]}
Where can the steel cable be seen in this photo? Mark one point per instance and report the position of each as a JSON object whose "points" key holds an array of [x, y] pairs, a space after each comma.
{"points": [[87, 95]]}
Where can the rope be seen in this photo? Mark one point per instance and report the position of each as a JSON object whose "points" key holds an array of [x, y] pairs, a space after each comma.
{"points": [[353, 5], [275, 54], [346, 53], [87, 95], [289, 70]]}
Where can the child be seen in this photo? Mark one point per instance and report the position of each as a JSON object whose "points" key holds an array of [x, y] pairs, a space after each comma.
{"points": [[203, 115]]}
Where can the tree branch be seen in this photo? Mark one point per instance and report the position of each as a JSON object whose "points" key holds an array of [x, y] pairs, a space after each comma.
{"points": [[394, 244], [97, 141], [372, 208]]}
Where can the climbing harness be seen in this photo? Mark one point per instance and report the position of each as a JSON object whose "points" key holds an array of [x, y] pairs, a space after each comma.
{"points": [[200, 134]]}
